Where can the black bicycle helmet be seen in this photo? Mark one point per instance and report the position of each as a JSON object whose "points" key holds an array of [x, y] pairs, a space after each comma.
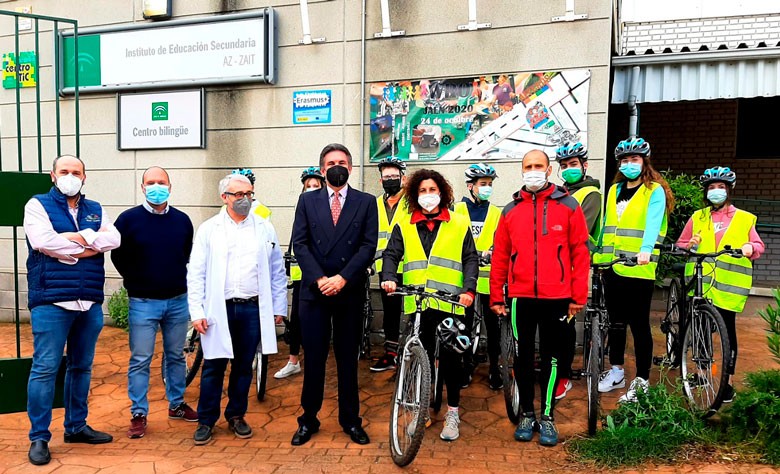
{"points": [[632, 146], [311, 172], [391, 161], [719, 174], [246, 172], [479, 170], [448, 332], [571, 150]]}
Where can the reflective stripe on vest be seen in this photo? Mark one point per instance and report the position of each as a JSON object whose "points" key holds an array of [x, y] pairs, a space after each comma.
{"points": [[483, 242], [386, 227], [733, 277], [442, 270], [580, 196], [624, 236]]}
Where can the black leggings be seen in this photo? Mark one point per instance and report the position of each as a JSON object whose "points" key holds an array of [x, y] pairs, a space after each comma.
{"points": [[493, 336], [628, 303], [730, 318], [550, 317], [294, 323], [391, 319], [450, 362]]}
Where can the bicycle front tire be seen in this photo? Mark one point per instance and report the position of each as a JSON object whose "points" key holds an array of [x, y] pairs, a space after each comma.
{"points": [[706, 355], [261, 379], [671, 324], [594, 366], [507, 364], [410, 405]]}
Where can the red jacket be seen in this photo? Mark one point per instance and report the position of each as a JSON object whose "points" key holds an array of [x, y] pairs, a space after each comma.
{"points": [[540, 248]]}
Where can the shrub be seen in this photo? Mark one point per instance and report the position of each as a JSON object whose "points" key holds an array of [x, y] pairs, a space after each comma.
{"points": [[772, 316], [119, 308]]}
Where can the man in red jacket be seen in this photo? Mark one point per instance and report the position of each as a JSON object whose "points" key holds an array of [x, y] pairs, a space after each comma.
{"points": [[540, 252]]}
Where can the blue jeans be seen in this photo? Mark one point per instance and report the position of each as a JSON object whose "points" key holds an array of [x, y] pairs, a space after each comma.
{"points": [[244, 326], [52, 327], [146, 315]]}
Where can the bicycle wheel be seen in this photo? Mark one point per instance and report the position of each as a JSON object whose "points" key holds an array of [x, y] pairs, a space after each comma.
{"points": [[410, 405], [593, 367], [193, 357], [706, 355], [507, 364], [261, 369], [365, 338], [670, 326], [438, 387]]}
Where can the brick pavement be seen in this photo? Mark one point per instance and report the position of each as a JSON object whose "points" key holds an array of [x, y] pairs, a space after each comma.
{"points": [[485, 445]]}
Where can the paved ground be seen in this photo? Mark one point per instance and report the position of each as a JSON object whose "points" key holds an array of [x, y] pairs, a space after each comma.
{"points": [[486, 443]]}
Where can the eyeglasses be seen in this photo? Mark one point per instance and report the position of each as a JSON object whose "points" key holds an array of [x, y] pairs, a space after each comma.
{"points": [[240, 195], [392, 176]]}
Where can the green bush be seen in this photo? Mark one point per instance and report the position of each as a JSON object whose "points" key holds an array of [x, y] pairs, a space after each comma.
{"points": [[119, 308], [655, 428], [772, 316], [752, 421], [688, 198]]}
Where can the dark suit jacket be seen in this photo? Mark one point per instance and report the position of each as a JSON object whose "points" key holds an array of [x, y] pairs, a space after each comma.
{"points": [[324, 250]]}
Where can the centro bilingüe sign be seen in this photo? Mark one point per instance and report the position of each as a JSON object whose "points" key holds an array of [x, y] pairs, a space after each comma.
{"points": [[224, 49]]}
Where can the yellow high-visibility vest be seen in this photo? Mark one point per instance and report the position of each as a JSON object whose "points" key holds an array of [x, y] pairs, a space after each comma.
{"points": [[442, 270], [386, 227], [483, 242], [624, 236], [727, 282], [580, 196]]}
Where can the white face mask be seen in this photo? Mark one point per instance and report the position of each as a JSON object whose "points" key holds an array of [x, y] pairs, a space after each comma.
{"points": [[535, 180], [429, 201], [69, 185]]}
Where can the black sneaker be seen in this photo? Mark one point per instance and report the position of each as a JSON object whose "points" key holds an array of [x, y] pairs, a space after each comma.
{"points": [[728, 395], [466, 380], [495, 381], [202, 435], [386, 362]]}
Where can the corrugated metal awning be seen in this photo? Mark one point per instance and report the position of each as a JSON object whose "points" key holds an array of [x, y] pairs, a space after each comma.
{"points": [[726, 74]]}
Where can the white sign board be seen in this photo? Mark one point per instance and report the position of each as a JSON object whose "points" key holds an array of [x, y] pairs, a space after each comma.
{"points": [[161, 120]]}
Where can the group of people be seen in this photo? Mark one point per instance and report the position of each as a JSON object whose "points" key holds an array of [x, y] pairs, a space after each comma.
{"points": [[529, 261]]}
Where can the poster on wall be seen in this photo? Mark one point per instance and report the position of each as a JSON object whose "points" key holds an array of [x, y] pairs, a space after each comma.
{"points": [[26, 73], [477, 118], [312, 107]]}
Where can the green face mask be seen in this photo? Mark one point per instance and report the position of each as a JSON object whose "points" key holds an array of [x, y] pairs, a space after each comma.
{"points": [[572, 175]]}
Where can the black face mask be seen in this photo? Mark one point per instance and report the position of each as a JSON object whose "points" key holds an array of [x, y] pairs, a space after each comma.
{"points": [[391, 186], [337, 176]]}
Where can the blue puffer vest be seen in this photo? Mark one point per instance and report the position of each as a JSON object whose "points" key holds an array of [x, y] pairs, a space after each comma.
{"points": [[50, 281]]}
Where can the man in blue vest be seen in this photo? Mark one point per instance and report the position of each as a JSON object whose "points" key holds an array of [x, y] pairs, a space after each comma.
{"points": [[67, 235]]}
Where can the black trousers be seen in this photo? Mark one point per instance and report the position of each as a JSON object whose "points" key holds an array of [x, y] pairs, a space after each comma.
{"points": [[628, 303], [549, 316], [391, 318], [493, 335], [294, 323], [450, 362], [730, 318], [343, 315]]}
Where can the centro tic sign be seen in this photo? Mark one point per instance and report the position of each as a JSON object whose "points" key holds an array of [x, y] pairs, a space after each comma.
{"points": [[26, 71]]}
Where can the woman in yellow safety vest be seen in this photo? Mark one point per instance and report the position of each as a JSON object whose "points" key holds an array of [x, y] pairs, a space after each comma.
{"points": [[438, 252], [312, 180], [728, 280], [635, 220]]}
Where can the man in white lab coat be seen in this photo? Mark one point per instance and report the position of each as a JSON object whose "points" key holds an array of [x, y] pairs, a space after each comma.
{"points": [[237, 287]]}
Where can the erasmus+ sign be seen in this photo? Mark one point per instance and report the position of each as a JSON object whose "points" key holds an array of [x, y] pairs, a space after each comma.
{"points": [[223, 49]]}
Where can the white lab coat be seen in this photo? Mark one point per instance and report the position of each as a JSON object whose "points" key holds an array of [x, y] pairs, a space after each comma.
{"points": [[206, 277]]}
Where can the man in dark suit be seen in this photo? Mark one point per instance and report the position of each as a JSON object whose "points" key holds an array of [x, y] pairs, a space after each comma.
{"points": [[334, 239]]}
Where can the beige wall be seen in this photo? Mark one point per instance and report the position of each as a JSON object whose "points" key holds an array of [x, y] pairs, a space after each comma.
{"points": [[251, 125]]}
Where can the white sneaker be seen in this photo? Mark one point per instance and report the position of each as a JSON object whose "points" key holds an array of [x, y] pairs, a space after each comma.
{"points": [[288, 370], [611, 379], [637, 384], [451, 432]]}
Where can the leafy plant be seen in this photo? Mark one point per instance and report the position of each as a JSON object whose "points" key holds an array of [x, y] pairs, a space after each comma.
{"points": [[772, 316], [688, 198], [119, 308], [654, 428]]}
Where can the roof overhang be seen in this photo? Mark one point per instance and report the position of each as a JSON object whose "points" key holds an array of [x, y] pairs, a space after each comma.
{"points": [[671, 77]]}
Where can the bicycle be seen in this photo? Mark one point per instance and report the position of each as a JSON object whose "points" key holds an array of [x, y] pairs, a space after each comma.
{"points": [[193, 356], [412, 393], [594, 348], [507, 358], [695, 332], [368, 317]]}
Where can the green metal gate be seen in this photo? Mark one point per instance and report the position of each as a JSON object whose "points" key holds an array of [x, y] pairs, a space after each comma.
{"points": [[18, 186]]}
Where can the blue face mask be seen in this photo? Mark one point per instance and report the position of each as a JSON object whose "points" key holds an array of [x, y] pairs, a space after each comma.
{"points": [[484, 192], [631, 170], [157, 194], [717, 196]]}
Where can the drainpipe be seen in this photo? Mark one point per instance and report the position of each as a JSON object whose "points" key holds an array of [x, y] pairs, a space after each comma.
{"points": [[633, 111], [361, 183]]}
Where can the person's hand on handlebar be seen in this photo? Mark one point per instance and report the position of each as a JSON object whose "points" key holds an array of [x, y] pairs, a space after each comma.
{"points": [[388, 286], [643, 258], [465, 299], [747, 250], [499, 309], [695, 240]]}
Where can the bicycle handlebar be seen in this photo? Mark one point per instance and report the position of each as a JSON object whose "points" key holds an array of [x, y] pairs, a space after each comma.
{"points": [[627, 261], [672, 249], [419, 292]]}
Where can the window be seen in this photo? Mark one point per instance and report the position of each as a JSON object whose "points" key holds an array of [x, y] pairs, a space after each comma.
{"points": [[756, 129]]}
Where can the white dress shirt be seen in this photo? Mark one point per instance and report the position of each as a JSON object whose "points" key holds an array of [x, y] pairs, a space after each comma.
{"points": [[152, 210], [42, 237], [242, 278]]}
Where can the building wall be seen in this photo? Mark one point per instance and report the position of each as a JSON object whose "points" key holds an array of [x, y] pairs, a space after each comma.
{"points": [[692, 136], [251, 125]]}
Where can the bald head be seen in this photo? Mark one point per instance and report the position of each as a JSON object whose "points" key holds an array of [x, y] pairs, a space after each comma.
{"points": [[536, 155], [155, 175], [68, 161]]}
